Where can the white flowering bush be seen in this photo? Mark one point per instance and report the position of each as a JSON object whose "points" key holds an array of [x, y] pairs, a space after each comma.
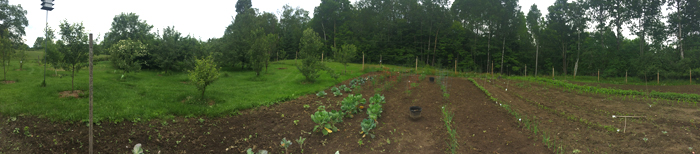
{"points": [[127, 55]]}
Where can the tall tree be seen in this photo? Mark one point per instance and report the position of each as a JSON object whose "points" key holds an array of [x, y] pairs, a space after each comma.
{"points": [[533, 23], [292, 24], [128, 26], [38, 43], [14, 20], [579, 20], [558, 29], [243, 5]]}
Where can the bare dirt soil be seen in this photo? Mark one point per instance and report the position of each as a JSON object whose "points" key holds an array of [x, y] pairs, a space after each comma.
{"points": [[482, 126], [74, 93], [577, 120]]}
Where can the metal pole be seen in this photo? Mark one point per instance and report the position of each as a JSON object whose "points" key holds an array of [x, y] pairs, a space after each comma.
{"points": [[91, 130], [43, 84]]}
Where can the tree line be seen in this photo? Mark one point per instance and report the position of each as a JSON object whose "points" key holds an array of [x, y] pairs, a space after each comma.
{"points": [[578, 37]]}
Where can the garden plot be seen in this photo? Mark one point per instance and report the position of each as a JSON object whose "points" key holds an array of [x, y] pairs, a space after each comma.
{"points": [[578, 121], [259, 129]]}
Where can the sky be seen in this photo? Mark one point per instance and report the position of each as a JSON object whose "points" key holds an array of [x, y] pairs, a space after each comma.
{"points": [[202, 19]]}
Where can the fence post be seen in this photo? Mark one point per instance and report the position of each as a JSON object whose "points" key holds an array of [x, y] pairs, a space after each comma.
{"points": [[552, 72], [363, 60], [691, 76], [416, 64], [91, 134], [625, 76], [455, 66], [525, 70], [657, 77], [322, 57], [598, 75]]}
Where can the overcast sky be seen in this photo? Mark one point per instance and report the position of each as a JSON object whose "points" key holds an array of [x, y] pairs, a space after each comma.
{"points": [[201, 18]]}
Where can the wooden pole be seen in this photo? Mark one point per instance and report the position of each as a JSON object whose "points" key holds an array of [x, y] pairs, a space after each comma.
{"points": [[491, 69], [455, 66], [322, 57], [657, 77], [91, 134], [363, 61], [416, 64], [525, 70], [598, 75], [552, 73], [380, 61]]}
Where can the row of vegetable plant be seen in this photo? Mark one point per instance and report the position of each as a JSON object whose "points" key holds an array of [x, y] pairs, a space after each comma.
{"points": [[525, 122]]}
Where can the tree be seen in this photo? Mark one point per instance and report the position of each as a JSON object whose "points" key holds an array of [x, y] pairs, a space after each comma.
{"points": [[38, 43], [126, 53], [169, 50], [128, 26], [242, 6], [345, 54], [558, 29], [6, 52], [310, 53], [205, 73], [292, 24], [260, 50], [22, 55], [14, 20], [75, 52], [533, 23]]}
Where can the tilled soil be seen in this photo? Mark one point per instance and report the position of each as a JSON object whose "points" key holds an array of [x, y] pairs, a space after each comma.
{"points": [[482, 126], [576, 118]]}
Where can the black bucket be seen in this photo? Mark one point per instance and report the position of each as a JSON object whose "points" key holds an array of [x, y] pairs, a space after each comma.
{"points": [[415, 112], [432, 79]]}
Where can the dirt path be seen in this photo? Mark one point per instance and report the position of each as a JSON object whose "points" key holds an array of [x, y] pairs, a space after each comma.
{"points": [[485, 127]]}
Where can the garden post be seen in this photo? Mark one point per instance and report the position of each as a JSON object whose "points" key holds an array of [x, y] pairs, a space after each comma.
{"points": [[363, 61], [598, 75], [552, 73], [625, 76], [91, 135], [455, 66], [657, 77], [525, 70], [321, 57]]}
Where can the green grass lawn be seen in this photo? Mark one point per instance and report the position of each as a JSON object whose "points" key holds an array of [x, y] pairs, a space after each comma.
{"points": [[146, 94]]}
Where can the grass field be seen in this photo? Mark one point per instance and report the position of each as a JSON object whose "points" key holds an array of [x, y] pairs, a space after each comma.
{"points": [[148, 94]]}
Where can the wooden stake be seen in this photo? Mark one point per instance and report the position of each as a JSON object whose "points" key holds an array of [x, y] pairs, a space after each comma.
{"points": [[525, 70], [491, 69], [598, 75], [657, 77], [322, 57], [363, 61], [455, 66], [416, 64], [625, 76], [552, 73], [91, 129]]}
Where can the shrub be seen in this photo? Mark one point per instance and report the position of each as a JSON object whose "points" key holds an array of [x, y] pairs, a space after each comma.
{"points": [[204, 73], [310, 53], [127, 55]]}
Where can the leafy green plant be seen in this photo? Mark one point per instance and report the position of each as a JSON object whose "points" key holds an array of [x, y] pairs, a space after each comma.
{"points": [[374, 111], [26, 131], [337, 93], [296, 122], [367, 125], [453, 145], [325, 121], [377, 99], [321, 94], [306, 106], [349, 105], [301, 143], [137, 149], [285, 144]]}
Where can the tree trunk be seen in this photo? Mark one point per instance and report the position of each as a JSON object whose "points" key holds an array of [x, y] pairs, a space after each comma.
{"points": [[203, 90], [435, 45], [503, 52], [72, 80], [680, 38], [488, 52], [578, 54], [537, 56], [563, 54]]}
